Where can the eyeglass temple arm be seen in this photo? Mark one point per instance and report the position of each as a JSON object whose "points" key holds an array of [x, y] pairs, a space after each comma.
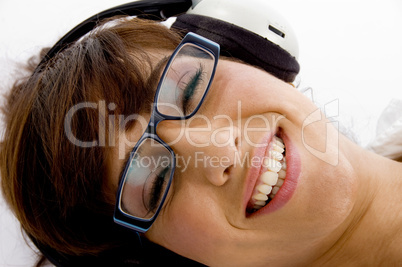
{"points": [[151, 9]]}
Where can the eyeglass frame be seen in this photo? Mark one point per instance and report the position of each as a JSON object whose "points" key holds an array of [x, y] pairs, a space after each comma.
{"points": [[139, 224]]}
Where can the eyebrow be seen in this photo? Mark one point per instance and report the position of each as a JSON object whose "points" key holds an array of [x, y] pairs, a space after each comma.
{"points": [[155, 75]]}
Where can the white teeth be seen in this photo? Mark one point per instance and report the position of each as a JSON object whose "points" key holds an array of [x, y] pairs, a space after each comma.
{"points": [[260, 197], [269, 178], [264, 188], [272, 179], [284, 166], [282, 174], [279, 142], [272, 165], [276, 155], [275, 190], [259, 203], [278, 148], [279, 183]]}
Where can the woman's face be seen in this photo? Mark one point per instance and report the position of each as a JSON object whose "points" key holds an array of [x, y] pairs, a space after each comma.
{"points": [[209, 216]]}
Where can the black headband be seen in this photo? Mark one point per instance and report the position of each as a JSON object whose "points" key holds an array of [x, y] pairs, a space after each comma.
{"points": [[242, 44]]}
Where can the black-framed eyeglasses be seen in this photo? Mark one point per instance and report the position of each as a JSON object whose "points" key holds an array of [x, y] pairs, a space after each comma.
{"points": [[149, 171]]}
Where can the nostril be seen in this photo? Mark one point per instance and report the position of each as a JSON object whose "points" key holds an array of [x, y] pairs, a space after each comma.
{"points": [[228, 170], [227, 173], [237, 142]]}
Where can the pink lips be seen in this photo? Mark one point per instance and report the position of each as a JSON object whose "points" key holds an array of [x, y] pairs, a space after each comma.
{"points": [[292, 175], [255, 171]]}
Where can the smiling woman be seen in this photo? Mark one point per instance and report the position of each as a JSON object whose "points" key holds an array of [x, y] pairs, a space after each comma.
{"points": [[139, 144]]}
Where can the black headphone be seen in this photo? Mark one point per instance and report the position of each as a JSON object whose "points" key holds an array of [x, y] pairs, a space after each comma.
{"points": [[235, 41], [150, 9]]}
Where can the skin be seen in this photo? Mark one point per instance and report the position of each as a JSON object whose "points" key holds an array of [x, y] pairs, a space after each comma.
{"points": [[345, 209]]}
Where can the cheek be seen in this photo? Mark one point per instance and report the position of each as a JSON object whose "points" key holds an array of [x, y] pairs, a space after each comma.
{"points": [[193, 226], [320, 137], [331, 193], [328, 186]]}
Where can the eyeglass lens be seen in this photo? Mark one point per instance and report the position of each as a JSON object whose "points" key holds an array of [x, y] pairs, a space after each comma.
{"points": [[146, 179], [185, 82]]}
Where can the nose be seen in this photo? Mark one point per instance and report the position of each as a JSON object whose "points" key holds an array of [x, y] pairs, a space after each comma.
{"points": [[216, 161], [207, 151]]}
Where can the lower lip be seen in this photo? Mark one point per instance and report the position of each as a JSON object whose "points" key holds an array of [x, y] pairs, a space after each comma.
{"points": [[286, 191]]}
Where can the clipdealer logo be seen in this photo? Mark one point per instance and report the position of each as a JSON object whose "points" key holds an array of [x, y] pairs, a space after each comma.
{"points": [[217, 137]]}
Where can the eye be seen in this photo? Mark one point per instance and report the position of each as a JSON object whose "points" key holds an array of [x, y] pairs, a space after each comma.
{"points": [[189, 90], [155, 188]]}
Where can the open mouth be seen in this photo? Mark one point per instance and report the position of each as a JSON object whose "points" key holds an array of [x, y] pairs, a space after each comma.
{"points": [[272, 177]]}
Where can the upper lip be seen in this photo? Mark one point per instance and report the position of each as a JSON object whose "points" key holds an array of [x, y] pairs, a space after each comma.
{"points": [[255, 171]]}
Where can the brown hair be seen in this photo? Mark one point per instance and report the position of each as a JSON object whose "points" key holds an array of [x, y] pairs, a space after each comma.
{"points": [[54, 187]]}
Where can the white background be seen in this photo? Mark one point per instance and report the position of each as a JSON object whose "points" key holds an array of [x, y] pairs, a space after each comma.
{"points": [[350, 52]]}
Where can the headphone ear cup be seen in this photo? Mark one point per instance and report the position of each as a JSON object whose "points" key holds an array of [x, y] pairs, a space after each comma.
{"points": [[243, 44]]}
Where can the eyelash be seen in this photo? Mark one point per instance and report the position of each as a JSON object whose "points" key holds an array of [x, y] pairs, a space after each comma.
{"points": [[191, 87], [157, 186]]}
